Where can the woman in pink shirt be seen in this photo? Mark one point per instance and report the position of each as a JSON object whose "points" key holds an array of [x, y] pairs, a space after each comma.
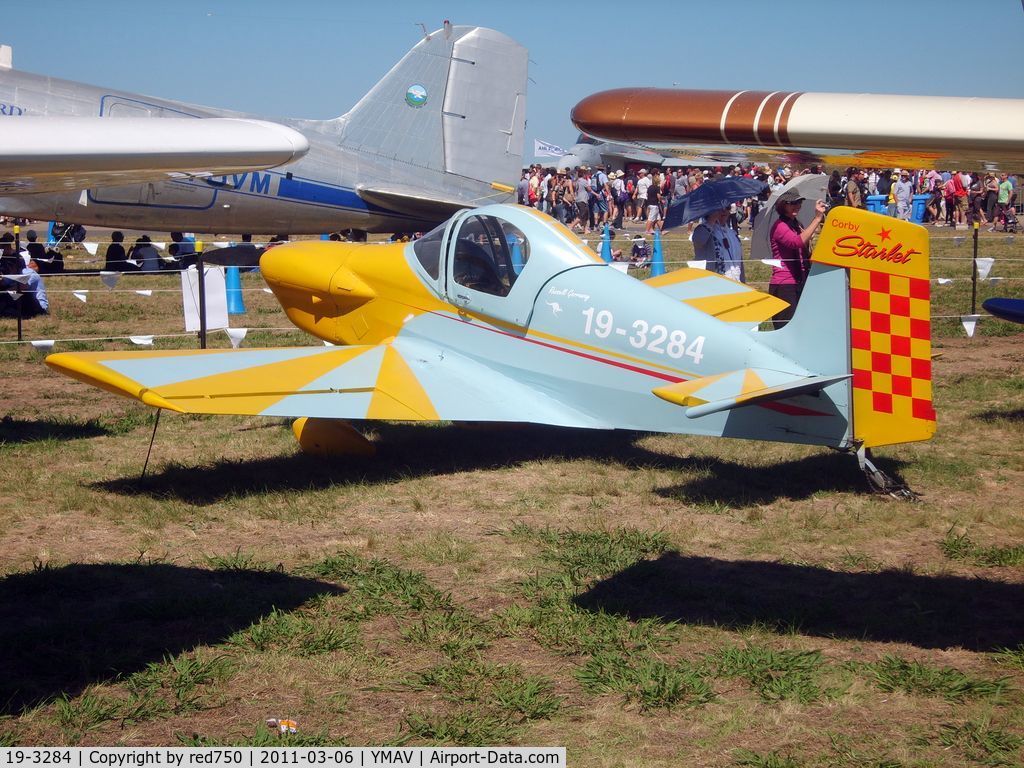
{"points": [[791, 246]]}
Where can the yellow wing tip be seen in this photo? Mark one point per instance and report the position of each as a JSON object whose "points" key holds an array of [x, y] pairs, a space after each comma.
{"points": [[85, 368]]}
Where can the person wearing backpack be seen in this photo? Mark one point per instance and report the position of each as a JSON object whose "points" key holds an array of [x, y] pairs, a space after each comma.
{"points": [[618, 188], [600, 195]]}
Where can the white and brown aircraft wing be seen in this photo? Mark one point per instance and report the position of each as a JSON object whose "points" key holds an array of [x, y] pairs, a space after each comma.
{"points": [[42, 154], [835, 129]]}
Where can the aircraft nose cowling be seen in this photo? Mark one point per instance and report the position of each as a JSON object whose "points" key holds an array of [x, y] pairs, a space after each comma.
{"points": [[314, 285], [316, 267]]}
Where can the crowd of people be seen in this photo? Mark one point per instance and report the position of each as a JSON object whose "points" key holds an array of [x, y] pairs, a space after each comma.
{"points": [[588, 198], [585, 198]]}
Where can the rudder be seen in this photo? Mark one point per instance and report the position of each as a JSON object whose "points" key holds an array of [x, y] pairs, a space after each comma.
{"points": [[455, 103], [889, 322]]}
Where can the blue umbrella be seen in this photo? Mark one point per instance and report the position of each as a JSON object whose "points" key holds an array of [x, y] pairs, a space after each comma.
{"points": [[711, 196]]}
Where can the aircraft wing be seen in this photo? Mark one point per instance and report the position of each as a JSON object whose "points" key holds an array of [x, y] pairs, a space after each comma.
{"points": [[43, 154], [405, 380], [835, 129]]}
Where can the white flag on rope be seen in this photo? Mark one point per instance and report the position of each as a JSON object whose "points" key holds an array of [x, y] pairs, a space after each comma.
{"points": [[236, 335], [142, 341], [110, 278], [969, 323], [82, 296], [90, 247], [43, 345], [698, 264], [985, 266]]}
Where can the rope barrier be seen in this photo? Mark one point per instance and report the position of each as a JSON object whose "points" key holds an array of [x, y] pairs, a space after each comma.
{"points": [[146, 335]]}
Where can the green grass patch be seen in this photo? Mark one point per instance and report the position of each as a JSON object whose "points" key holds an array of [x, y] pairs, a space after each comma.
{"points": [[90, 710], [775, 675], [982, 743], [649, 682], [748, 759], [182, 678], [560, 626], [453, 631], [961, 547], [300, 634], [895, 674], [583, 556], [377, 587], [235, 561], [505, 688], [1011, 657], [262, 736], [466, 727]]}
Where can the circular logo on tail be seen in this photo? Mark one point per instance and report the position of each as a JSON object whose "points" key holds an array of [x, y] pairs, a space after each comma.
{"points": [[416, 96]]}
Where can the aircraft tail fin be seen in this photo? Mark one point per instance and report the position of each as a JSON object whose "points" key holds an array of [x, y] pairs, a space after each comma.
{"points": [[455, 103], [869, 285]]}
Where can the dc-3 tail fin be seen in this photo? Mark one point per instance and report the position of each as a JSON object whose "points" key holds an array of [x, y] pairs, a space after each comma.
{"points": [[869, 285], [455, 103]]}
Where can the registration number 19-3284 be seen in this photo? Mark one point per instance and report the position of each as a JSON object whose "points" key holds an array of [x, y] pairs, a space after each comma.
{"points": [[642, 335]]}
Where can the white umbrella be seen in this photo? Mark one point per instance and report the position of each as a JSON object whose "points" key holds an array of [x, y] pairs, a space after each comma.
{"points": [[810, 186]]}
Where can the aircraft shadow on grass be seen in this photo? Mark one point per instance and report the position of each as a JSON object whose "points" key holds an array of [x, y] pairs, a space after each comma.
{"points": [[19, 431], [884, 606], [996, 415], [63, 629], [417, 451]]}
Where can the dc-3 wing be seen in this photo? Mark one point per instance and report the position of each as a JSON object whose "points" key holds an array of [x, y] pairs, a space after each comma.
{"points": [[45, 154], [405, 380]]}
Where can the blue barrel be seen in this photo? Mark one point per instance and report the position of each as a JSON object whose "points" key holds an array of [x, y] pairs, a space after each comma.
{"points": [[517, 254], [918, 207], [878, 203], [233, 283], [606, 245], [657, 258]]}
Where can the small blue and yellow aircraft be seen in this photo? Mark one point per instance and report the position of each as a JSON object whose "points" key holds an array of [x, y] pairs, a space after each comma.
{"points": [[504, 315]]}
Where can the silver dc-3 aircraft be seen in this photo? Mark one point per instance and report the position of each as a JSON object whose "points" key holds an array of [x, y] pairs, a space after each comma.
{"points": [[443, 130]]}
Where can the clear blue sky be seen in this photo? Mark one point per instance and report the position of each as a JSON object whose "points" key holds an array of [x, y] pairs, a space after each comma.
{"points": [[315, 58]]}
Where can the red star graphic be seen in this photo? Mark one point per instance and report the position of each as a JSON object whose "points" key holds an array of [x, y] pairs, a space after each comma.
{"points": [[885, 234]]}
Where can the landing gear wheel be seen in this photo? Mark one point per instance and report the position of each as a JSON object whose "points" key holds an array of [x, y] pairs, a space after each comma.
{"points": [[880, 482]]}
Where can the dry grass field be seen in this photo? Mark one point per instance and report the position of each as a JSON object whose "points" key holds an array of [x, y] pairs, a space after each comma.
{"points": [[640, 599]]}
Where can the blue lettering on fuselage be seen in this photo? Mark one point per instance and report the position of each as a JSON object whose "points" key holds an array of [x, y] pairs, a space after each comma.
{"points": [[11, 109], [260, 183]]}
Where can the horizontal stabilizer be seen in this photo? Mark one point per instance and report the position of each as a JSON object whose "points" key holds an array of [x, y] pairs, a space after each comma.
{"points": [[712, 394], [718, 296], [413, 202]]}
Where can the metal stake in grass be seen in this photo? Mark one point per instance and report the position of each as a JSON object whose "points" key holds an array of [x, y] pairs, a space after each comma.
{"points": [[201, 269], [152, 438], [974, 271]]}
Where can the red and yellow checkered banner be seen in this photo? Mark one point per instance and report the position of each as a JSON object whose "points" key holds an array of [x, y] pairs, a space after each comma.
{"points": [[890, 322]]}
